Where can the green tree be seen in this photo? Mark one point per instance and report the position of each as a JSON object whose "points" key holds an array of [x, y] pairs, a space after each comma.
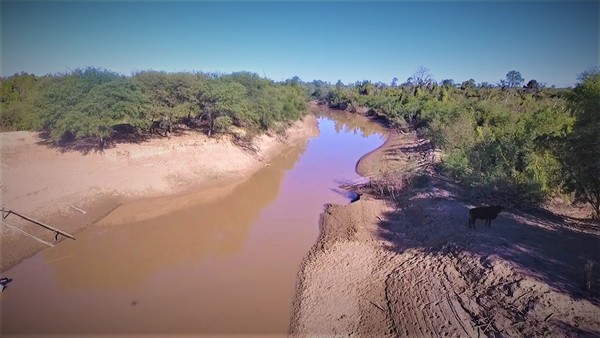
{"points": [[219, 98], [89, 103], [468, 85], [533, 85], [447, 83], [17, 97], [421, 77], [513, 79], [253, 83], [171, 95], [294, 81], [579, 152], [365, 87]]}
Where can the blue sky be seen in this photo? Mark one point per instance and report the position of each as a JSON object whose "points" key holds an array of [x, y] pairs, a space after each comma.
{"points": [[550, 41]]}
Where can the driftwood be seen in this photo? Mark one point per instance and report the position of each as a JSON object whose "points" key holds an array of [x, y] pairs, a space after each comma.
{"points": [[27, 234], [377, 306], [76, 208], [5, 214]]}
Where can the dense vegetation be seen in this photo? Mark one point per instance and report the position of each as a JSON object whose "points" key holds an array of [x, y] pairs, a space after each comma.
{"points": [[98, 104], [524, 141]]}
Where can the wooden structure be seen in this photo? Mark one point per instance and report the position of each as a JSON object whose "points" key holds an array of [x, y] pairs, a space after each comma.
{"points": [[57, 232]]}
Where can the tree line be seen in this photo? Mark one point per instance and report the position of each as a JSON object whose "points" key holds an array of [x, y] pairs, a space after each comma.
{"points": [[99, 104], [523, 139]]}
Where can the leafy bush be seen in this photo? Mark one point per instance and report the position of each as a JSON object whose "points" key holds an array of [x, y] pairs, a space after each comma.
{"points": [[17, 96], [222, 124]]}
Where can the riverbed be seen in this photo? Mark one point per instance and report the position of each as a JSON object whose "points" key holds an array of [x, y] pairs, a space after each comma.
{"points": [[222, 261]]}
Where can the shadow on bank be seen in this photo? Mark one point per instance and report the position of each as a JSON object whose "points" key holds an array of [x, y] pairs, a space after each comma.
{"points": [[432, 216]]}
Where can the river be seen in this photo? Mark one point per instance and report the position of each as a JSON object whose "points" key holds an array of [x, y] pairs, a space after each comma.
{"points": [[211, 262]]}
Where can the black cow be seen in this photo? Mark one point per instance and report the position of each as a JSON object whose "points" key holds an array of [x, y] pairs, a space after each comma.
{"points": [[160, 126], [486, 213]]}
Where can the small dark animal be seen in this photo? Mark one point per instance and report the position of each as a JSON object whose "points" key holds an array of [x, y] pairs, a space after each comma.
{"points": [[486, 213], [4, 283], [158, 126]]}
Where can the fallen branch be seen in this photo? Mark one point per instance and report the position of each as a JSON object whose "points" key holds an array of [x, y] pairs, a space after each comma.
{"points": [[27, 234], [521, 296], [81, 211], [377, 306]]}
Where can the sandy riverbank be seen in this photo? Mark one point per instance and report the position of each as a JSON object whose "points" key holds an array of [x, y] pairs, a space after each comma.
{"points": [[46, 183], [416, 269]]}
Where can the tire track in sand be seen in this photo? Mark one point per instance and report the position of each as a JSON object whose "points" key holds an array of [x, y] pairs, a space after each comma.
{"points": [[422, 300]]}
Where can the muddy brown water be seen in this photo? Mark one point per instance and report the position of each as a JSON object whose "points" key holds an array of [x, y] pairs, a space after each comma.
{"points": [[213, 262]]}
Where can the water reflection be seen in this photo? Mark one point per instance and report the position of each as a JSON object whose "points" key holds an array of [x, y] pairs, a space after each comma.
{"points": [[126, 255], [350, 123]]}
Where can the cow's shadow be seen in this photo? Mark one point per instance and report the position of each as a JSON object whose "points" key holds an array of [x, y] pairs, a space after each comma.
{"points": [[548, 246]]}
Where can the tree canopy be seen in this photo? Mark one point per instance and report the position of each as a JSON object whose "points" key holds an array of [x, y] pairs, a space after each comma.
{"points": [[527, 141], [93, 103], [579, 151], [513, 79], [88, 103], [170, 95]]}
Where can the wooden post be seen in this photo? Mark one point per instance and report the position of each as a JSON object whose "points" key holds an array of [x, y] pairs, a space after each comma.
{"points": [[57, 231]]}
